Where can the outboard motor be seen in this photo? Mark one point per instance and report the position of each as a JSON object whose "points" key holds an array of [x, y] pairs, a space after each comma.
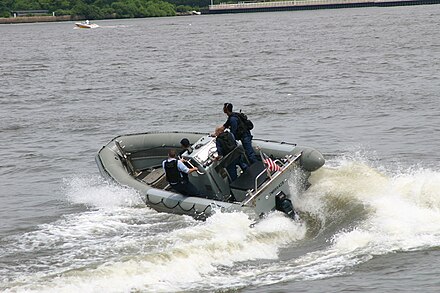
{"points": [[283, 204]]}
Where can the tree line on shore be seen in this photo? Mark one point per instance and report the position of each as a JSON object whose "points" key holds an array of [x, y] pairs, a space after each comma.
{"points": [[99, 9]]}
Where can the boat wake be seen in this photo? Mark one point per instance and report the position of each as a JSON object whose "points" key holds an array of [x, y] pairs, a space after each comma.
{"points": [[376, 214], [352, 213], [118, 247]]}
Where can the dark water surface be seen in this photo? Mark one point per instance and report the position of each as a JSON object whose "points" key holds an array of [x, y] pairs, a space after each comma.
{"points": [[360, 85]]}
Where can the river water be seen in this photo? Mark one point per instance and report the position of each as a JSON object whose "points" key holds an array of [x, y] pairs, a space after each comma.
{"points": [[360, 85]]}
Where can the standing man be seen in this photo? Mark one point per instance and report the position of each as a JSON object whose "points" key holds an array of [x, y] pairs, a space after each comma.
{"points": [[240, 131], [173, 170]]}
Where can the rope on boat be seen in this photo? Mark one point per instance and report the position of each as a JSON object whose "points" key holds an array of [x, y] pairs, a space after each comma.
{"points": [[148, 198], [192, 208], [177, 205]]}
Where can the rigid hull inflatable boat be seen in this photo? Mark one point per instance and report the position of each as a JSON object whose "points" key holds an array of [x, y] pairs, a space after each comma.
{"points": [[135, 160]]}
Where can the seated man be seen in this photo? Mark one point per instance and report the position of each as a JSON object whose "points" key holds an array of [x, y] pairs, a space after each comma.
{"points": [[186, 147], [225, 143], [174, 170]]}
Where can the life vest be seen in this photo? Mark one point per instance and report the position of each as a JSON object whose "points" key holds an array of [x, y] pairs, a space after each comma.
{"points": [[172, 172], [227, 142]]}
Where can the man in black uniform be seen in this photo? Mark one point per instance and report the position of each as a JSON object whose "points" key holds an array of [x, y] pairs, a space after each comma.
{"points": [[240, 131], [173, 170]]}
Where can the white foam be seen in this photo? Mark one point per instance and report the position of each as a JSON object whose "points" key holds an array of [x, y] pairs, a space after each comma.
{"points": [[186, 259], [95, 192], [118, 247], [401, 210]]}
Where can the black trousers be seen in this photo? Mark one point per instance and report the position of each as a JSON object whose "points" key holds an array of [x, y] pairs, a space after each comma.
{"points": [[186, 188]]}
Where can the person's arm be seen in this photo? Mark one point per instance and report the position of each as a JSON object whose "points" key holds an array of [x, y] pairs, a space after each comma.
{"points": [[192, 170], [227, 124], [183, 168], [234, 125], [219, 148]]}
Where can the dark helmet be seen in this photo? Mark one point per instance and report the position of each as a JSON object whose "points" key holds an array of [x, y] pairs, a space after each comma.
{"points": [[185, 142]]}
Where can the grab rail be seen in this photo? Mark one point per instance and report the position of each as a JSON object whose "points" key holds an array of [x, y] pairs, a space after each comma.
{"points": [[126, 156], [254, 193], [192, 166], [258, 176]]}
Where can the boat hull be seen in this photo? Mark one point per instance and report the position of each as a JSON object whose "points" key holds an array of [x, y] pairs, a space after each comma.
{"points": [[85, 25]]}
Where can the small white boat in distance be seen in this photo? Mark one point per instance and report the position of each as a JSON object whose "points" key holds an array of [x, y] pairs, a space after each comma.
{"points": [[86, 24]]}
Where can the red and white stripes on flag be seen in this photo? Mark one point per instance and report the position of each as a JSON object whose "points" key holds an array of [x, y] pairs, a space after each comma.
{"points": [[271, 165]]}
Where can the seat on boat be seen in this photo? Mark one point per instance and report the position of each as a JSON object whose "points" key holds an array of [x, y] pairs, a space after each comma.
{"points": [[229, 159], [156, 178], [246, 181]]}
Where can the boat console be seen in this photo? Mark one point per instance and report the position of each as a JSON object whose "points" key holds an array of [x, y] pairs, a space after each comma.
{"points": [[212, 178], [256, 186], [204, 151]]}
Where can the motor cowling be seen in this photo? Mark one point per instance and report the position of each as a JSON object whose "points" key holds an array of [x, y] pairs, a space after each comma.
{"points": [[283, 204]]}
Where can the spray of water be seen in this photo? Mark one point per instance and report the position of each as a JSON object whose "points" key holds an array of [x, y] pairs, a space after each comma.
{"points": [[118, 246], [352, 210], [377, 213], [94, 192]]}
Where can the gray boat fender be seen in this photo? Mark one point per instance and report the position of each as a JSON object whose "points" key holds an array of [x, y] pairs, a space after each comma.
{"points": [[311, 160]]}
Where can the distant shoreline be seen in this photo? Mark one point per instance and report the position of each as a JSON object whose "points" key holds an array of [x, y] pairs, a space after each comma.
{"points": [[33, 19], [245, 7], [50, 18], [249, 7]]}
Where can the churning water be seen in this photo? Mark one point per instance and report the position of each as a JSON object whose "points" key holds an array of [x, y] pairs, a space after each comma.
{"points": [[360, 85]]}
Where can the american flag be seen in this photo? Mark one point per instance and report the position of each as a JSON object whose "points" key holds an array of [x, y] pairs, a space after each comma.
{"points": [[271, 165]]}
